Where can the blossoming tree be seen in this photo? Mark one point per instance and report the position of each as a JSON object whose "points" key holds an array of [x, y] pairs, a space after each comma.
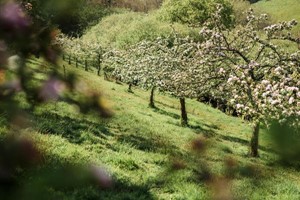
{"points": [[263, 75]]}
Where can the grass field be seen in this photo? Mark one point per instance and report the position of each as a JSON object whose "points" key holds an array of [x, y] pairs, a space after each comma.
{"points": [[139, 146], [281, 10]]}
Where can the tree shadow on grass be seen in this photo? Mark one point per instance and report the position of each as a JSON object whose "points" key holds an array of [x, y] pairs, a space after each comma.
{"points": [[166, 105], [69, 128], [72, 180], [151, 144], [163, 112], [198, 129], [245, 143], [126, 191], [207, 132]]}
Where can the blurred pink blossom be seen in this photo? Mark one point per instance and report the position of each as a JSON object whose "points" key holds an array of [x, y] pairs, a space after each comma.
{"points": [[102, 177], [13, 17], [52, 89]]}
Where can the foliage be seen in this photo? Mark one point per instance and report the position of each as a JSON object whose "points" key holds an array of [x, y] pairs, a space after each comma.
{"points": [[263, 75], [286, 140], [20, 37], [239, 9], [195, 12], [72, 17], [136, 5]]}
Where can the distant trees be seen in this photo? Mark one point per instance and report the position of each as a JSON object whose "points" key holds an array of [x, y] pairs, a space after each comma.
{"points": [[135, 5], [21, 37], [72, 17], [21, 92], [195, 12]]}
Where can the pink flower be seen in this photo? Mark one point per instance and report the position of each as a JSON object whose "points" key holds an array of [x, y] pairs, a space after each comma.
{"points": [[291, 89], [291, 100], [274, 102], [265, 82], [102, 177], [238, 106], [13, 17], [221, 71], [52, 89]]}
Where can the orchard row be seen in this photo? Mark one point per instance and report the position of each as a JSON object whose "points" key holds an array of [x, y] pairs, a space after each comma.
{"points": [[255, 71]]}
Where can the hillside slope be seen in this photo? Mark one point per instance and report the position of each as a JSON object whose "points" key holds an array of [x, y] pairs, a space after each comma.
{"points": [[138, 146], [128, 28], [280, 10]]}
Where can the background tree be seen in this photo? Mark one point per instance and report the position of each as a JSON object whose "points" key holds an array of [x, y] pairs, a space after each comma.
{"points": [[263, 76], [195, 12], [71, 17]]}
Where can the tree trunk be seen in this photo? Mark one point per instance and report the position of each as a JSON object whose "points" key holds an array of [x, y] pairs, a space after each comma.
{"points": [[254, 140], [129, 88], [99, 64], [64, 71], [69, 60], [98, 72], [151, 103], [76, 62], [63, 56], [184, 118], [85, 65]]}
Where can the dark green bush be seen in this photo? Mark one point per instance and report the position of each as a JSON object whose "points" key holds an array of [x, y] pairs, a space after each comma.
{"points": [[72, 20]]}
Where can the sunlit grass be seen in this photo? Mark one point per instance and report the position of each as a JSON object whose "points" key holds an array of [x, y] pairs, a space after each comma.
{"points": [[281, 10], [138, 144]]}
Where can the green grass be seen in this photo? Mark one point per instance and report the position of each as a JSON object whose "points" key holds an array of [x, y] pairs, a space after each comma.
{"points": [[280, 10], [137, 145], [128, 28]]}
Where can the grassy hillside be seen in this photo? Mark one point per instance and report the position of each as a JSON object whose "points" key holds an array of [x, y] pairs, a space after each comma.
{"points": [[280, 10], [138, 146], [128, 28]]}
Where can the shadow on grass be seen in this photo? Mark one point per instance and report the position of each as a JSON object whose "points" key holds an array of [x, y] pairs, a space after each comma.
{"points": [[245, 142], [155, 144], [73, 182], [166, 105], [163, 112], [206, 132], [69, 128], [127, 191]]}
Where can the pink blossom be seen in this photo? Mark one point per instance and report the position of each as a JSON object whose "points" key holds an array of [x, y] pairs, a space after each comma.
{"points": [[292, 89], [13, 17], [265, 82], [102, 177], [238, 106], [291, 100], [274, 102], [221, 71], [269, 87], [52, 89]]}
